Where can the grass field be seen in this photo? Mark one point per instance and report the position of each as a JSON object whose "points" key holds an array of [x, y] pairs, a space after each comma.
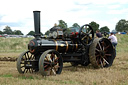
{"points": [[117, 74]]}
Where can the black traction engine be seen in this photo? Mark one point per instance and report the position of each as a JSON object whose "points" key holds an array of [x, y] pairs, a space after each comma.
{"points": [[47, 55]]}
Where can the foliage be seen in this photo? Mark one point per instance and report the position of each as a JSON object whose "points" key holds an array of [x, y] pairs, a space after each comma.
{"points": [[47, 32], [62, 24], [31, 33], [7, 30], [94, 25], [76, 25], [104, 29], [17, 32], [122, 26], [1, 32]]}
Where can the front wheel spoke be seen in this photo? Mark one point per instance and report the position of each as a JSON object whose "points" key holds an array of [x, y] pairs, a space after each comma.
{"points": [[22, 63], [27, 55], [105, 61], [30, 57], [33, 57], [25, 70], [22, 66], [29, 71]]}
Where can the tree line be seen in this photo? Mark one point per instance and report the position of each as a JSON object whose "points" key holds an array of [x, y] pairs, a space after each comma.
{"points": [[8, 30], [121, 26]]}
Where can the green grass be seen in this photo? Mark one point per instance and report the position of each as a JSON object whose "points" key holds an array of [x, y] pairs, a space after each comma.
{"points": [[13, 44], [18, 45], [122, 45]]}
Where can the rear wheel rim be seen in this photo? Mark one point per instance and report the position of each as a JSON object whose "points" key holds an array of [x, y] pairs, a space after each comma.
{"points": [[101, 53], [50, 63]]}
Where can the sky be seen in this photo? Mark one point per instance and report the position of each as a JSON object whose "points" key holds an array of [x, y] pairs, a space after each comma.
{"points": [[18, 14]]}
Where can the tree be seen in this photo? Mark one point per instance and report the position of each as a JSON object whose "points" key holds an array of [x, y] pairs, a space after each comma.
{"points": [[7, 30], [31, 33], [47, 32], [122, 26], [76, 25], [62, 24], [17, 32], [94, 25], [104, 29], [1, 32]]}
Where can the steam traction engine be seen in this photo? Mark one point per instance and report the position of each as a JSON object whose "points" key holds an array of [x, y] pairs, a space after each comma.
{"points": [[47, 55]]}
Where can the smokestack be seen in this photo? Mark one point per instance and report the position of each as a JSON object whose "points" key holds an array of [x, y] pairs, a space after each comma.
{"points": [[37, 24]]}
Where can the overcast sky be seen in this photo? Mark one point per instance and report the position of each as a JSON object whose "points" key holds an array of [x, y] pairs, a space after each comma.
{"points": [[18, 14]]}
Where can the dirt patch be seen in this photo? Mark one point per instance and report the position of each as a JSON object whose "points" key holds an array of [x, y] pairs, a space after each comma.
{"points": [[8, 58]]}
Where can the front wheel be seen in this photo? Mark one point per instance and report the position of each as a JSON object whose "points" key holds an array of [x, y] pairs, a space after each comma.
{"points": [[27, 62]]}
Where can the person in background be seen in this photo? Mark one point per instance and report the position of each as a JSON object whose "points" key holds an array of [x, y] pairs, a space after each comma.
{"points": [[98, 34], [113, 39]]}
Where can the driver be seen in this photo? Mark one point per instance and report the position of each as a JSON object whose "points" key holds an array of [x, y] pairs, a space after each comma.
{"points": [[98, 34]]}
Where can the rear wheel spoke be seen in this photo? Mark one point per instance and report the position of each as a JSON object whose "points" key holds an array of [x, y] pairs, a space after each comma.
{"points": [[107, 47], [54, 72], [101, 63], [105, 61], [99, 45], [45, 66], [108, 54]]}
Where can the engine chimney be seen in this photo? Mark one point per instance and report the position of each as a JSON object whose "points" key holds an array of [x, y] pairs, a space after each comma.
{"points": [[37, 24]]}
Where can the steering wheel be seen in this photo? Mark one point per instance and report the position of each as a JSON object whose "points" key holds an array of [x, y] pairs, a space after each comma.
{"points": [[86, 35]]}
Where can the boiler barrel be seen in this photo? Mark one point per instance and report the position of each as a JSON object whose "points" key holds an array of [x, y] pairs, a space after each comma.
{"points": [[60, 46]]}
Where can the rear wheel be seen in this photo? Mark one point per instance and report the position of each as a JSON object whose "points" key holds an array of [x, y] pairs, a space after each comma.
{"points": [[101, 53]]}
